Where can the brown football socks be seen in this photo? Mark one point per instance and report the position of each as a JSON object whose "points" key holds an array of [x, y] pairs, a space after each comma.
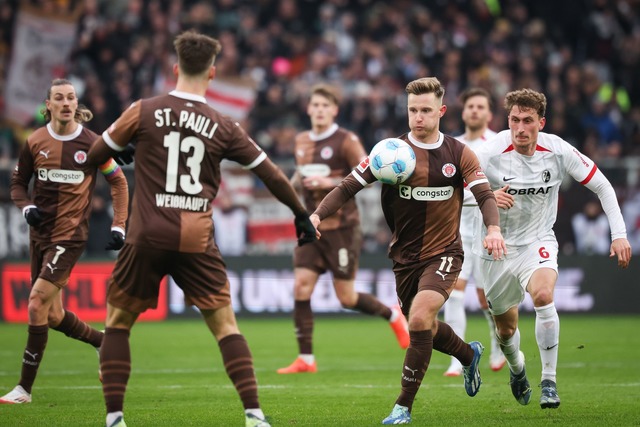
{"points": [[238, 363], [115, 364], [36, 343], [303, 321], [446, 341], [368, 304], [416, 363], [75, 328]]}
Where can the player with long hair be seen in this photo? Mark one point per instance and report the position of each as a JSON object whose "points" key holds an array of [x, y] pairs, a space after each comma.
{"points": [[57, 211]]}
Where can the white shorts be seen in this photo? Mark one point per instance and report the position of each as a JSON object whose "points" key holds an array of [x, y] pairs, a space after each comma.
{"points": [[472, 265], [506, 280]]}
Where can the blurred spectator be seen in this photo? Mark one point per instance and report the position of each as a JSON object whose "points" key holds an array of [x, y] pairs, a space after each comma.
{"points": [[585, 56], [591, 230], [230, 222]]}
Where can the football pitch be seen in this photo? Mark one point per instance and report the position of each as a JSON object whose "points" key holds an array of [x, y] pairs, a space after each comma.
{"points": [[178, 378]]}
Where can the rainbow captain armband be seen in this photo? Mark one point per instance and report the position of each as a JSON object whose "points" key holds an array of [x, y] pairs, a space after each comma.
{"points": [[109, 168]]}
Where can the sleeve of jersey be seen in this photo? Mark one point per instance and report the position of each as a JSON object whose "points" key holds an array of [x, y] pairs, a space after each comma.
{"points": [[600, 185], [239, 146], [119, 193], [362, 173], [339, 196], [471, 170], [585, 171], [21, 177], [122, 131]]}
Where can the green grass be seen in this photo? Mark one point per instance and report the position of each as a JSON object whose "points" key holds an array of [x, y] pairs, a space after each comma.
{"points": [[178, 379]]}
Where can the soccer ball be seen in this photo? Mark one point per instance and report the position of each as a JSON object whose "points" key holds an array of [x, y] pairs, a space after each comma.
{"points": [[392, 161]]}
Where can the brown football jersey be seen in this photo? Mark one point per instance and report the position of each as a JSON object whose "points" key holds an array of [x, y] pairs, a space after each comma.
{"points": [[334, 156], [63, 183], [423, 213], [180, 142]]}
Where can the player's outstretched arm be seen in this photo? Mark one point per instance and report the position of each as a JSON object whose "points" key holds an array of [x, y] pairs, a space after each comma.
{"points": [[622, 249], [337, 197]]}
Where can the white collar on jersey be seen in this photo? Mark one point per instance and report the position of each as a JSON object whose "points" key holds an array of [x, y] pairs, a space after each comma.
{"points": [[433, 146], [326, 134], [189, 96], [69, 137]]}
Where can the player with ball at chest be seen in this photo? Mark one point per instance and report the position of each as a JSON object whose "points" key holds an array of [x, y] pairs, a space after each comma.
{"points": [[423, 213]]}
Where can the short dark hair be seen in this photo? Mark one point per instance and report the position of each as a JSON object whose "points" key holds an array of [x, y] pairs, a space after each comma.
{"points": [[528, 99], [426, 85], [476, 91], [329, 92], [196, 52]]}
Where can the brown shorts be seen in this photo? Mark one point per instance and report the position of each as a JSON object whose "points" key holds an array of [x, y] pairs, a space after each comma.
{"points": [[53, 261], [135, 282], [337, 251], [438, 273]]}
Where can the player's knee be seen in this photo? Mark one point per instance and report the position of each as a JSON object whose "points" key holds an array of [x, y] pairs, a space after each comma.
{"points": [[36, 306], [348, 301], [504, 332], [54, 319], [542, 297]]}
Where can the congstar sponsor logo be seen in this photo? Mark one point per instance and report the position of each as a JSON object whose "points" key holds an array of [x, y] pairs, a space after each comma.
{"points": [[426, 194], [61, 176]]}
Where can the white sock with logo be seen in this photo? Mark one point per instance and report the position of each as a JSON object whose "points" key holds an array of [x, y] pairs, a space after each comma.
{"points": [[548, 337]]}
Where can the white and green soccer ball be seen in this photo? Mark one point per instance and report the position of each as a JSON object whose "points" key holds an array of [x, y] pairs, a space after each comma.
{"points": [[392, 161]]}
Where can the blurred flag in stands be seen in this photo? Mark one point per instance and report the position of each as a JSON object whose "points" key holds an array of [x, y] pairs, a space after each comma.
{"points": [[233, 97], [41, 48]]}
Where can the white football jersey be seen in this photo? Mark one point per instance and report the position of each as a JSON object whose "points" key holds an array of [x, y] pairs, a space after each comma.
{"points": [[470, 206], [534, 182]]}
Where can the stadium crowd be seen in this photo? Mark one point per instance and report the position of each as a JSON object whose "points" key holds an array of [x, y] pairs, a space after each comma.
{"points": [[584, 55]]}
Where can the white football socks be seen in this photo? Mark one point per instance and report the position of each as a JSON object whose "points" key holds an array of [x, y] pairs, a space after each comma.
{"points": [[511, 350], [307, 358], [495, 347], [454, 314], [548, 337]]}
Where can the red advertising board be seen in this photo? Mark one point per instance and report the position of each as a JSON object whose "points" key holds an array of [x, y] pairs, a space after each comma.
{"points": [[85, 295]]}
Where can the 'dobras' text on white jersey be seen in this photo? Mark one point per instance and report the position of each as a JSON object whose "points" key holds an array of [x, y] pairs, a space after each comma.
{"points": [[534, 182], [470, 206]]}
